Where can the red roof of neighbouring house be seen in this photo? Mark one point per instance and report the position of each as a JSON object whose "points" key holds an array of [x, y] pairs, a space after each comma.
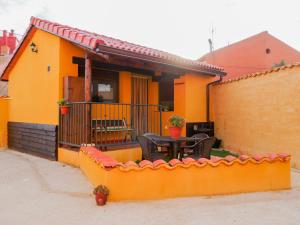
{"points": [[254, 54], [92, 41]]}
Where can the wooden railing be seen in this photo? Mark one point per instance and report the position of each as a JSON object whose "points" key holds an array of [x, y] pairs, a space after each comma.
{"points": [[107, 124]]}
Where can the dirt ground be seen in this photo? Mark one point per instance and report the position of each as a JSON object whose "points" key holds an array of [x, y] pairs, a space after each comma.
{"points": [[35, 191]]}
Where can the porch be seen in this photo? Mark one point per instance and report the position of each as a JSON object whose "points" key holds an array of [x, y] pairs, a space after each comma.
{"points": [[108, 125]]}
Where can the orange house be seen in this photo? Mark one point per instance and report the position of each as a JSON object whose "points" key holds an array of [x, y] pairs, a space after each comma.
{"points": [[116, 90], [254, 54]]}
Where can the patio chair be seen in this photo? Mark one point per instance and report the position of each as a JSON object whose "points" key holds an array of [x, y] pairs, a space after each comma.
{"points": [[149, 148], [163, 146], [201, 149], [200, 137], [208, 143]]}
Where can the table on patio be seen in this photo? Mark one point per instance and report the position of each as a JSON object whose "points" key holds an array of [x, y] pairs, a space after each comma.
{"points": [[175, 144]]}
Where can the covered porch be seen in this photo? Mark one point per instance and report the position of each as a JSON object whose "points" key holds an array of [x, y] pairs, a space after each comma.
{"points": [[117, 94], [114, 99]]}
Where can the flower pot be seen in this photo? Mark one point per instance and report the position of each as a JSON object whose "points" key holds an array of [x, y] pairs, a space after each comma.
{"points": [[175, 132], [100, 198], [64, 109]]}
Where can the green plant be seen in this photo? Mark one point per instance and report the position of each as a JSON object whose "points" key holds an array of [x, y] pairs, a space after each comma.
{"points": [[176, 121], [280, 64], [62, 102], [101, 189]]}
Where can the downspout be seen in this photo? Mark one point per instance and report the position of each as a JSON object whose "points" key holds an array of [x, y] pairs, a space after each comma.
{"points": [[208, 97]]}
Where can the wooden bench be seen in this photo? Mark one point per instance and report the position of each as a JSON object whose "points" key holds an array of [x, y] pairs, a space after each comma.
{"points": [[108, 126]]}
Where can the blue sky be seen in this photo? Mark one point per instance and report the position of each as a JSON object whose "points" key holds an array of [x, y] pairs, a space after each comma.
{"points": [[179, 26]]}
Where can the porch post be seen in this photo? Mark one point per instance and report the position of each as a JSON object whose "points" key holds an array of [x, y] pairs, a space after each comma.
{"points": [[88, 78], [87, 92]]}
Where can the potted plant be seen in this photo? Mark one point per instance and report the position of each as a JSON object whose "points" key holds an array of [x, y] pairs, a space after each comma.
{"points": [[176, 124], [64, 108], [101, 192]]}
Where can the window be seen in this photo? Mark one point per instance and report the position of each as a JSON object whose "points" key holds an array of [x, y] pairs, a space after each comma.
{"points": [[166, 94], [105, 86]]}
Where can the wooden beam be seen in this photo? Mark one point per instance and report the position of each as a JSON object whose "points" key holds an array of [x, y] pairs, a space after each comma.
{"points": [[88, 78], [137, 64]]}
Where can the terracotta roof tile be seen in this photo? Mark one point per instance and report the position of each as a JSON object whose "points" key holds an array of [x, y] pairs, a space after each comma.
{"points": [[107, 162], [145, 163], [175, 162], [188, 160], [158, 162], [91, 40]]}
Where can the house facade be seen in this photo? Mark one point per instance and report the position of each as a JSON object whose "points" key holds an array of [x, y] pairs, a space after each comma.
{"points": [[254, 54], [116, 90]]}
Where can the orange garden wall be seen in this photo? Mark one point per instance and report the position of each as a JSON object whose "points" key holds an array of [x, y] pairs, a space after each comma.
{"points": [[260, 114], [3, 122], [158, 180]]}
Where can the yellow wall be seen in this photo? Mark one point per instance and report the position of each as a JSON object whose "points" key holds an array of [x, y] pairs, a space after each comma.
{"points": [[194, 179], [33, 90], [3, 122], [260, 114], [68, 157], [67, 68], [189, 99], [71, 157], [125, 155]]}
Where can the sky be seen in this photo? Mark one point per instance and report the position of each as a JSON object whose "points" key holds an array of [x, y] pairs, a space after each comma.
{"points": [[182, 27]]}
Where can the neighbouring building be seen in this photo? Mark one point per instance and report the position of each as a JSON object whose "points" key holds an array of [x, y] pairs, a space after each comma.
{"points": [[8, 42], [116, 90], [254, 54]]}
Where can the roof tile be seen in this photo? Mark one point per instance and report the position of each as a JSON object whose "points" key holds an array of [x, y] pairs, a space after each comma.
{"points": [[76, 36]]}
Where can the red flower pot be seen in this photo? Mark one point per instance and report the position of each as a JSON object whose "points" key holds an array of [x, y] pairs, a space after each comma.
{"points": [[64, 109], [175, 132], [100, 198]]}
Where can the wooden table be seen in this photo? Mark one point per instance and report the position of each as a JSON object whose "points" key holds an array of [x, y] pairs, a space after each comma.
{"points": [[174, 144]]}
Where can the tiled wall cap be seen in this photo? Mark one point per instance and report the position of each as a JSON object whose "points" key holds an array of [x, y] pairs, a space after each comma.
{"points": [[259, 157], [203, 160], [188, 160], [230, 158], [215, 159], [131, 164], [174, 162], [159, 162], [244, 157], [145, 163]]}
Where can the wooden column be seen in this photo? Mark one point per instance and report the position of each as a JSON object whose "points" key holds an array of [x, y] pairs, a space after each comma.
{"points": [[88, 78], [87, 94]]}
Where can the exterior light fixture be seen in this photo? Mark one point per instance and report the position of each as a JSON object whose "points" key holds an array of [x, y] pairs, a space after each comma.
{"points": [[33, 47]]}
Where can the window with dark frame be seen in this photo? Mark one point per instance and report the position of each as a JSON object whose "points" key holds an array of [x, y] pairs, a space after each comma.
{"points": [[105, 86], [166, 94]]}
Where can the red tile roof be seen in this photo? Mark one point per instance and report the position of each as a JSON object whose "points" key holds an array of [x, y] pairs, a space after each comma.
{"points": [[92, 41]]}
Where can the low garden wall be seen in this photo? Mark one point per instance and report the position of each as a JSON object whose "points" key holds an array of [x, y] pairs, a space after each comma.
{"points": [[3, 122], [159, 180]]}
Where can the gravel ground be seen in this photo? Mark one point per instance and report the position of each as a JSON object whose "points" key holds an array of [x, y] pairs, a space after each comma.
{"points": [[34, 191]]}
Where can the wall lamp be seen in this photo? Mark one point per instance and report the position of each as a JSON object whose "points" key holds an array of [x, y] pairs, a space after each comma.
{"points": [[33, 47]]}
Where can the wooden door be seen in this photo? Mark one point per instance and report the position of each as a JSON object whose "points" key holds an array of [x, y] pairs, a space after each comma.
{"points": [[74, 89], [139, 99]]}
